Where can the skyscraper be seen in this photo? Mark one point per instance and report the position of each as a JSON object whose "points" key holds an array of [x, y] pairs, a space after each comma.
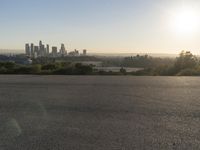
{"points": [[62, 50], [40, 43], [32, 50], [47, 50], [42, 50], [84, 52], [27, 49], [36, 51], [54, 51]]}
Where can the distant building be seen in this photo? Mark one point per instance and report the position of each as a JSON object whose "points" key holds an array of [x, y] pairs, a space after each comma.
{"points": [[28, 61], [42, 50], [27, 50], [36, 51], [54, 51], [62, 50], [47, 50], [32, 50], [74, 53], [40, 44], [84, 52]]}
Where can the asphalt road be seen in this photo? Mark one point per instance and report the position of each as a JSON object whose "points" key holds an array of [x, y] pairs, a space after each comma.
{"points": [[99, 113]]}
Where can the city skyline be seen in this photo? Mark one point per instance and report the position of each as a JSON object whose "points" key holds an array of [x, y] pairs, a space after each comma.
{"points": [[107, 26], [45, 50]]}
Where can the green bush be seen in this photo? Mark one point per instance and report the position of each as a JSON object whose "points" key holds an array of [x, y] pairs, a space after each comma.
{"points": [[23, 70], [49, 67], [187, 72], [123, 71], [185, 60], [35, 69], [3, 70]]}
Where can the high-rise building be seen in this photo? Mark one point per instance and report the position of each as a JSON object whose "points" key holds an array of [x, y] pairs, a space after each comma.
{"points": [[42, 50], [36, 51], [27, 50], [32, 50], [40, 43], [47, 50], [84, 52], [62, 50], [54, 51]]}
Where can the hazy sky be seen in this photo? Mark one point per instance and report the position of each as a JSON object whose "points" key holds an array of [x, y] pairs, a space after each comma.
{"points": [[98, 25]]}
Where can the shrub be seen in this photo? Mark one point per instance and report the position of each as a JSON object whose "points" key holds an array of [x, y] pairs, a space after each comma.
{"points": [[187, 72]]}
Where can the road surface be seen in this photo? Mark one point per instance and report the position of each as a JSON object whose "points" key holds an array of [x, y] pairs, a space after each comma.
{"points": [[99, 113]]}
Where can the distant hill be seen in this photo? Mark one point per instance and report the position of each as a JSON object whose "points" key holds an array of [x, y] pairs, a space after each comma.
{"points": [[10, 51], [134, 54]]}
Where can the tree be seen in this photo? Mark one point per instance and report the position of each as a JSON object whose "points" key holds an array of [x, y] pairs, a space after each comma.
{"points": [[35, 69], [83, 69], [3, 70], [123, 71], [186, 60], [49, 67]]}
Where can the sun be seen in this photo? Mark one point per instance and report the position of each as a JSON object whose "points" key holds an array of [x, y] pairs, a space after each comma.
{"points": [[185, 21]]}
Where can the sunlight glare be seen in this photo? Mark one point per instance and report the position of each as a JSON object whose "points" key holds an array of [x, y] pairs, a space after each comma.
{"points": [[185, 21]]}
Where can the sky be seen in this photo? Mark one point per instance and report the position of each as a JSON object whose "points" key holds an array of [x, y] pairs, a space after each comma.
{"points": [[101, 26]]}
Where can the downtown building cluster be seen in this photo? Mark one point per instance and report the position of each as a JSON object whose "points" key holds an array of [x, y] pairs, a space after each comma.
{"points": [[34, 51]]}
